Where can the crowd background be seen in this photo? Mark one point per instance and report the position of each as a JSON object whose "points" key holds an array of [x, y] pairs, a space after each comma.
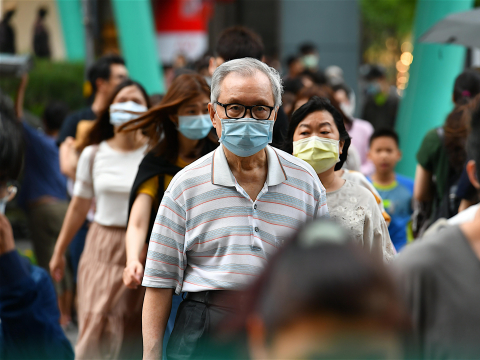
{"points": [[55, 99]]}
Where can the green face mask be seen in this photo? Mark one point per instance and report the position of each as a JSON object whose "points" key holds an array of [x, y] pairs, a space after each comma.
{"points": [[320, 153]]}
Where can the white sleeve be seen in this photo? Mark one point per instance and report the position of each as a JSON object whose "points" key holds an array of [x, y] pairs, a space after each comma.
{"points": [[84, 180]]}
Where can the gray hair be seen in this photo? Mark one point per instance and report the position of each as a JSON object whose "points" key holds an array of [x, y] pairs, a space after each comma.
{"points": [[246, 67]]}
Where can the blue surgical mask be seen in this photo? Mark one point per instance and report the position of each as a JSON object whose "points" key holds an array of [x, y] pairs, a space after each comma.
{"points": [[195, 127], [245, 137], [120, 113]]}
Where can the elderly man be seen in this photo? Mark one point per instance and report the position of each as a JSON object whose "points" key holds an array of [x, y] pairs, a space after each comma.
{"points": [[223, 216]]}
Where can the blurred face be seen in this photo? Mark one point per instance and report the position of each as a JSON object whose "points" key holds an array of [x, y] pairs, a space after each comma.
{"points": [[130, 93], [384, 154], [195, 106], [118, 73], [341, 97], [237, 89], [318, 123]]}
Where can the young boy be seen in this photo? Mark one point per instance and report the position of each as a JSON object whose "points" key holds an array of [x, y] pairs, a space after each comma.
{"points": [[396, 190]]}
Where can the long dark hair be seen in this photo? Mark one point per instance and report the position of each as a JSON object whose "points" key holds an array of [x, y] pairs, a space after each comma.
{"points": [[318, 104], [456, 127], [102, 129], [157, 121]]}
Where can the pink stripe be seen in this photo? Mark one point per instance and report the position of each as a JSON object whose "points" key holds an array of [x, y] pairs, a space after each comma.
{"points": [[191, 187], [225, 197], [156, 242], [180, 216], [163, 262]]}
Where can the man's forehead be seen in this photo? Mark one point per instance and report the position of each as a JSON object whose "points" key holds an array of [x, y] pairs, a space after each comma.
{"points": [[239, 85]]}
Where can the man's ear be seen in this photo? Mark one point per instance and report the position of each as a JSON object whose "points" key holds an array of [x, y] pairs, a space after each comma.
{"points": [[472, 174], [400, 155], [211, 112], [99, 82]]}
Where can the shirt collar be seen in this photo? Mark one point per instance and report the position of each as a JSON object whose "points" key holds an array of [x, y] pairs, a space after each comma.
{"points": [[222, 175]]}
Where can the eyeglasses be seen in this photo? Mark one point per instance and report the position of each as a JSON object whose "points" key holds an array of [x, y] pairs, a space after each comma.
{"points": [[238, 111]]}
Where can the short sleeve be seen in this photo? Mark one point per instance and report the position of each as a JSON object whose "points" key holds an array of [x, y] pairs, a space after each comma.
{"points": [[375, 235], [84, 180], [166, 257], [149, 187], [428, 153]]}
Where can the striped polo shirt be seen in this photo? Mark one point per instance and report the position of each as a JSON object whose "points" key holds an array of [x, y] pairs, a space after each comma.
{"points": [[210, 235]]}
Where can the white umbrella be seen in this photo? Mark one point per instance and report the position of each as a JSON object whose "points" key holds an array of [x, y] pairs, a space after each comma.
{"points": [[462, 28]]}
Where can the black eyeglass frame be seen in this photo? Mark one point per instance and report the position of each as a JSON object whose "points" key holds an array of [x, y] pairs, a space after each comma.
{"points": [[271, 108]]}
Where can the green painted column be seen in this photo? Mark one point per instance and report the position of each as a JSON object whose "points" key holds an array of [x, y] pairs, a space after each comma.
{"points": [[134, 20], [428, 97], [71, 18]]}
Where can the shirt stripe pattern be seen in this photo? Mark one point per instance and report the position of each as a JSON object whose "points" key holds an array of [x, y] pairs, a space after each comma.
{"points": [[209, 234]]}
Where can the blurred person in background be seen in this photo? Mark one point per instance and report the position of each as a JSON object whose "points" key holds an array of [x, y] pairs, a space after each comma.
{"points": [[442, 154], [396, 190], [41, 38], [240, 42], [381, 101], [438, 278], [318, 136], [323, 297], [109, 314], [29, 316], [224, 215], [43, 192], [295, 67], [7, 34], [359, 130], [182, 117], [104, 76], [311, 62]]}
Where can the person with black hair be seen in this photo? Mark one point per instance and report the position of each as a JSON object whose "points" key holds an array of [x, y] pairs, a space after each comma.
{"points": [[438, 277], [41, 41], [396, 190], [7, 34], [318, 136], [239, 42], [442, 156], [29, 316], [319, 299], [109, 314], [104, 76], [381, 102]]}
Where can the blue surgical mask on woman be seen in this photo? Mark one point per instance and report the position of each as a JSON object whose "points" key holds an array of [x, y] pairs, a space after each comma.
{"points": [[245, 137], [120, 113], [195, 127]]}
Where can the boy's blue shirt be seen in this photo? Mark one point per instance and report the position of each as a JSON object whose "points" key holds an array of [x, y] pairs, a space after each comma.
{"points": [[397, 200]]}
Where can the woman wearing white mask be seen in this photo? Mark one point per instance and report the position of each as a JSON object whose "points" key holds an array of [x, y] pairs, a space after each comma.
{"points": [[109, 314], [318, 136]]}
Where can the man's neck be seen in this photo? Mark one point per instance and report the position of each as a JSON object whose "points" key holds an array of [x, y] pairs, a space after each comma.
{"points": [[384, 178], [245, 164], [98, 104]]}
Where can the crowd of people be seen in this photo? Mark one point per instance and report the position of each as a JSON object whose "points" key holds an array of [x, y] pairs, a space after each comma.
{"points": [[240, 215]]}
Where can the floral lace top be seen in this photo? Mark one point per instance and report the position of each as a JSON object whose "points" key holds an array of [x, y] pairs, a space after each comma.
{"points": [[355, 208]]}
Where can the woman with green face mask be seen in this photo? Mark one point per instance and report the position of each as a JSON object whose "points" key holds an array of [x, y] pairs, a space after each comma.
{"points": [[318, 136]]}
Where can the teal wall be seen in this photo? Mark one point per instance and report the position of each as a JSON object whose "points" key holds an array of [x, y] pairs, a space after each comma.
{"points": [[134, 21], [428, 97], [71, 18]]}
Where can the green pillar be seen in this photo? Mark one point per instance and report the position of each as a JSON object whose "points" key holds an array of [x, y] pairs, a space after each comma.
{"points": [[428, 97], [70, 12], [136, 30]]}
